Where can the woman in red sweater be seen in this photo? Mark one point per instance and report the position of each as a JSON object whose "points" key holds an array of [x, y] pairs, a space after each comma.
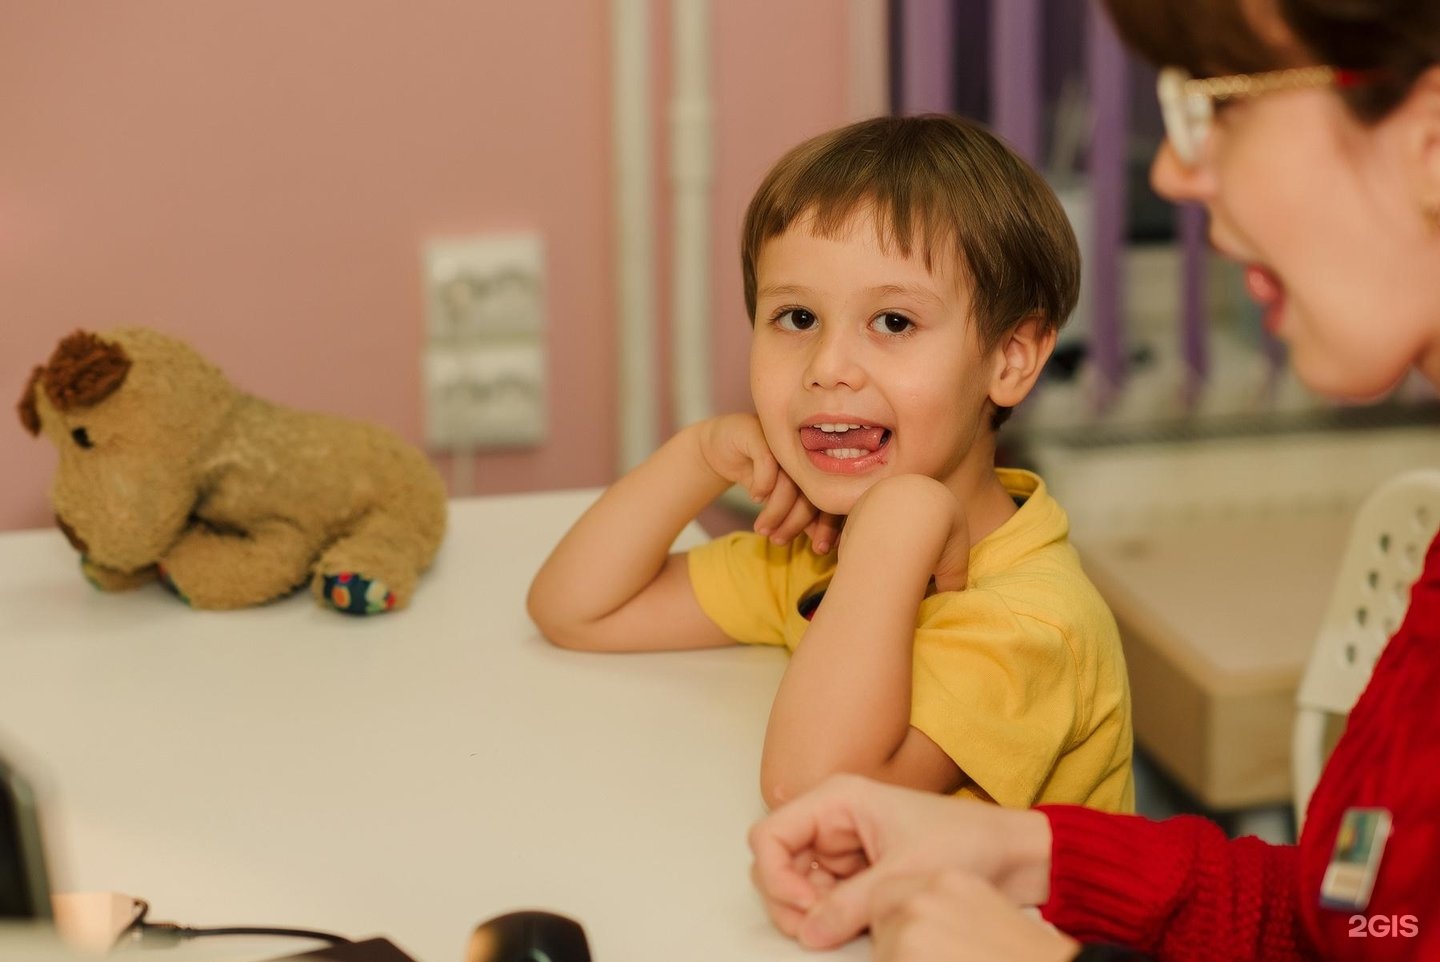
{"points": [[1325, 182]]}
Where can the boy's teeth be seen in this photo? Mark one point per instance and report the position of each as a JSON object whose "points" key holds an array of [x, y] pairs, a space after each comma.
{"points": [[835, 428], [847, 452]]}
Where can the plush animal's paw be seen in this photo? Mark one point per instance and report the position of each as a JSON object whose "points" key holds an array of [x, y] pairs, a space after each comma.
{"points": [[355, 594], [108, 579], [195, 590]]}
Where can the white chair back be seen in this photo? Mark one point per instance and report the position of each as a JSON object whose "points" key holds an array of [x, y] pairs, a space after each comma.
{"points": [[1392, 531]]}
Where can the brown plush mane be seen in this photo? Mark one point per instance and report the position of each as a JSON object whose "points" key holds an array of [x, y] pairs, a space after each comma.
{"points": [[84, 370]]}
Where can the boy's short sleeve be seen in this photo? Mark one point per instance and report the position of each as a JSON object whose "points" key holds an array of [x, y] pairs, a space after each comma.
{"points": [[995, 690], [740, 581]]}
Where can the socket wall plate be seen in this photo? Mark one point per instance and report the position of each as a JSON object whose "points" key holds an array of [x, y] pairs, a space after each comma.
{"points": [[484, 366]]}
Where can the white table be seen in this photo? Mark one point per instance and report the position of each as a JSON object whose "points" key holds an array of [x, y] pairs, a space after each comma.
{"points": [[408, 775]]}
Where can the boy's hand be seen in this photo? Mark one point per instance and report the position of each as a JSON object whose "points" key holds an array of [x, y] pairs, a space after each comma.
{"points": [[734, 447], [894, 507]]}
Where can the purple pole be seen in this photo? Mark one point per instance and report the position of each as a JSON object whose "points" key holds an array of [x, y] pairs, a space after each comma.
{"points": [[1015, 74], [1194, 333], [926, 79], [1275, 354], [1108, 128]]}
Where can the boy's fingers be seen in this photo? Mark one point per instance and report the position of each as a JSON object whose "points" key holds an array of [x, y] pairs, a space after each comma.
{"points": [[763, 471], [812, 531], [824, 531], [799, 515], [777, 506]]}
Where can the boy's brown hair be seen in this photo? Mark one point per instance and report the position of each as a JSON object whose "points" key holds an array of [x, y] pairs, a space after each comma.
{"points": [[945, 184]]}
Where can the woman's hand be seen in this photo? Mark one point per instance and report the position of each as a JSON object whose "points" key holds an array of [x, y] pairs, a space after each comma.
{"points": [[735, 449], [819, 860], [954, 916]]}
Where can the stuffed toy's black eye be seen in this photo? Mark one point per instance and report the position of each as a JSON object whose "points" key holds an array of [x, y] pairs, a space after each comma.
{"points": [[82, 438]]}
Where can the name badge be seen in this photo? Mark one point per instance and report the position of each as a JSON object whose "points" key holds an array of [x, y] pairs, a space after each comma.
{"points": [[1359, 846]]}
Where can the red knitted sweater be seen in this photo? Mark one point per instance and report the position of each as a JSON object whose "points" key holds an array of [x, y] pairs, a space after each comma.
{"points": [[1179, 889]]}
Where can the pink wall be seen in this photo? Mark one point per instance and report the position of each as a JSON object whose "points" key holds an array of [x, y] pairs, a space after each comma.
{"points": [[780, 78], [261, 183]]}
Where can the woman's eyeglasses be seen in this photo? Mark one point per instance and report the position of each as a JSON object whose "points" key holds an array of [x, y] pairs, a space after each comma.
{"points": [[1188, 105]]}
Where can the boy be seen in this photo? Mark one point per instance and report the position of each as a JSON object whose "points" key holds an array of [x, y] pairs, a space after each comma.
{"points": [[905, 278]]}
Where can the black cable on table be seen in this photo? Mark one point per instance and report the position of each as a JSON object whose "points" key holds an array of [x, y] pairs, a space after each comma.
{"points": [[161, 934], [169, 932]]}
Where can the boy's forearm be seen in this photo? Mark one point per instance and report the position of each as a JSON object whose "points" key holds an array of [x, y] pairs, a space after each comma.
{"points": [[844, 703], [620, 544]]}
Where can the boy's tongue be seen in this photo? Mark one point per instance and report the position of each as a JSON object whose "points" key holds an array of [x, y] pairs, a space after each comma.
{"points": [[815, 439]]}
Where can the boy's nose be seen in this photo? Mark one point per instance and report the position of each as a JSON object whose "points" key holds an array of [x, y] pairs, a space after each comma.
{"points": [[834, 362]]}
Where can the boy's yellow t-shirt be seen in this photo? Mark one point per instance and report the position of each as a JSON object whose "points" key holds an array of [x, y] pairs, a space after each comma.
{"points": [[1019, 678]]}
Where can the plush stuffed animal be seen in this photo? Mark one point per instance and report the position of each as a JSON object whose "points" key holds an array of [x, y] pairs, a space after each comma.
{"points": [[168, 471]]}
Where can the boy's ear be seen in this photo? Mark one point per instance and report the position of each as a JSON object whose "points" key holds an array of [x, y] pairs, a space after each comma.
{"points": [[1019, 358]]}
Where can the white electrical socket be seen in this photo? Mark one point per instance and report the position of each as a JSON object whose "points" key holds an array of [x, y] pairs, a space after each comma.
{"points": [[485, 351], [492, 394]]}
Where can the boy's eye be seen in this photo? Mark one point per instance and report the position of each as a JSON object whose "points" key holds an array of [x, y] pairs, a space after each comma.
{"points": [[891, 323], [795, 319]]}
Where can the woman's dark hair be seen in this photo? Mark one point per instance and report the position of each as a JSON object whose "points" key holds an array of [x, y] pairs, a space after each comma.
{"points": [[1395, 39]]}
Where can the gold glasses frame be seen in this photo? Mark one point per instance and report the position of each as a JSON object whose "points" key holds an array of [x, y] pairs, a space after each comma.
{"points": [[1187, 105]]}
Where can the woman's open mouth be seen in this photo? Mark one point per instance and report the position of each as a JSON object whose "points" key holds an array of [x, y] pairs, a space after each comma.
{"points": [[845, 447]]}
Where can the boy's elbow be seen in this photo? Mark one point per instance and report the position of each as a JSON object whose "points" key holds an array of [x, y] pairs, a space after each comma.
{"points": [[553, 628], [782, 783], [536, 608], [558, 637], [774, 793], [779, 787], [562, 635]]}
